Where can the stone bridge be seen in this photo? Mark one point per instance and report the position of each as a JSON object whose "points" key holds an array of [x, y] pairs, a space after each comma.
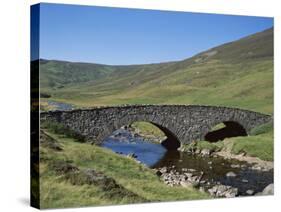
{"points": [[181, 124]]}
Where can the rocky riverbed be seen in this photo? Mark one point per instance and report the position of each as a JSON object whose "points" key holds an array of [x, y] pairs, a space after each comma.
{"points": [[202, 169], [256, 163], [193, 178]]}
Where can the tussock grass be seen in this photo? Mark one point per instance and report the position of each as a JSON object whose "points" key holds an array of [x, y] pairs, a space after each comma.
{"points": [[262, 129], [59, 128], [260, 146]]}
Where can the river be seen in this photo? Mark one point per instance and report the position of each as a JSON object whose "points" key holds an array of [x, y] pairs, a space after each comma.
{"points": [[60, 105], [215, 169]]}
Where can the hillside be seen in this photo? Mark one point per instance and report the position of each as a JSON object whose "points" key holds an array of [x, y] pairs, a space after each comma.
{"points": [[237, 74]]}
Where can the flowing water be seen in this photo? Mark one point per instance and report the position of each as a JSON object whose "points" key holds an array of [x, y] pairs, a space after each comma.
{"points": [[123, 142], [214, 168]]}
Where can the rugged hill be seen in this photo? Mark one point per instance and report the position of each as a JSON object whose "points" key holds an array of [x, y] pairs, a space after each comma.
{"points": [[238, 73]]}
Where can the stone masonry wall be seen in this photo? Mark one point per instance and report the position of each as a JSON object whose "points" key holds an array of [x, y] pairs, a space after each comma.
{"points": [[186, 122]]}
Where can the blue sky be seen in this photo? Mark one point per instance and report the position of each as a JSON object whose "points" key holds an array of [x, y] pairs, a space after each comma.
{"points": [[131, 36]]}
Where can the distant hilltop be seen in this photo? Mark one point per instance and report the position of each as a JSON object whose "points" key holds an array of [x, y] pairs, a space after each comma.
{"points": [[236, 74]]}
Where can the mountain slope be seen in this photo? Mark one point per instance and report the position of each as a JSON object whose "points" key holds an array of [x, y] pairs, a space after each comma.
{"points": [[238, 74]]}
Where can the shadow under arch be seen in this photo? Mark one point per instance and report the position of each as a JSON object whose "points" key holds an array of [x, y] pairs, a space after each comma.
{"points": [[231, 129], [171, 142]]}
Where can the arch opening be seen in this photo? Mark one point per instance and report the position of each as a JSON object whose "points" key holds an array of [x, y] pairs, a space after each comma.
{"points": [[151, 132], [171, 142], [224, 130], [145, 141]]}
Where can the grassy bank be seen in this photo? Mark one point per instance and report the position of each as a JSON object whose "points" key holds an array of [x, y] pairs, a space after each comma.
{"points": [[258, 144], [56, 191], [148, 130]]}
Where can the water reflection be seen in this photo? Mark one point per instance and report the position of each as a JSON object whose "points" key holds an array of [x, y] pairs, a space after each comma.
{"points": [[124, 143]]}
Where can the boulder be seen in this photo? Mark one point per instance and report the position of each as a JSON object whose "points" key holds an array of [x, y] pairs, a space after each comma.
{"points": [[223, 191], [163, 170], [268, 190], [235, 166], [250, 192], [245, 180], [188, 174], [206, 152], [233, 192], [197, 151], [230, 174], [258, 168]]}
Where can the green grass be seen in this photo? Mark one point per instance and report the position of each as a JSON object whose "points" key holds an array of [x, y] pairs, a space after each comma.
{"points": [[211, 146], [218, 126], [262, 129], [148, 129], [58, 192], [200, 145], [260, 146], [59, 128]]}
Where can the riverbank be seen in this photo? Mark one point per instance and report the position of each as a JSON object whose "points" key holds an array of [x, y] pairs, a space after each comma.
{"points": [[235, 183], [225, 150], [256, 148], [147, 131], [202, 169], [132, 181], [257, 163]]}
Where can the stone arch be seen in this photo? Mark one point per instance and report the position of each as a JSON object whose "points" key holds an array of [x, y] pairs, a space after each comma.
{"points": [[172, 142], [186, 123], [231, 129]]}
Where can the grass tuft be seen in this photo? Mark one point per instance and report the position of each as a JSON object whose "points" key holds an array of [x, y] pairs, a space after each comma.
{"points": [[59, 128], [264, 128]]}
